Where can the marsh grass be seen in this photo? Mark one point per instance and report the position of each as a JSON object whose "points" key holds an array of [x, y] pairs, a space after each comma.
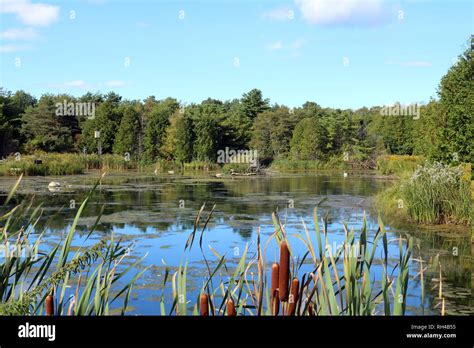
{"points": [[437, 193], [433, 194], [309, 165], [63, 164], [398, 164]]}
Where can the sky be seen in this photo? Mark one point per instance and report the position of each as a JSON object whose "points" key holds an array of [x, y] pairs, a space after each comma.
{"points": [[338, 53]]}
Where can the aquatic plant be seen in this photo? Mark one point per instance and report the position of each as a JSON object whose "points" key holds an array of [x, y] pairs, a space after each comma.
{"points": [[437, 193], [340, 282], [398, 164], [31, 279]]}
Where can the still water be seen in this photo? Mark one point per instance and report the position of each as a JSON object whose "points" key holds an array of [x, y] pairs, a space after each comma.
{"points": [[156, 214]]}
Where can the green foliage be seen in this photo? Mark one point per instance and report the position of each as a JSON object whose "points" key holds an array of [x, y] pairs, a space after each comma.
{"points": [[309, 140], [157, 122], [184, 139], [207, 132], [107, 121], [44, 129], [128, 133], [254, 104], [240, 168], [456, 93], [272, 132]]}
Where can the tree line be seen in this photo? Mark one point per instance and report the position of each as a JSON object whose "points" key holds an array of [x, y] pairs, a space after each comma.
{"points": [[151, 129]]}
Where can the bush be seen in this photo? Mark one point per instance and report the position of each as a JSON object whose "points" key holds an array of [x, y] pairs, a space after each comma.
{"points": [[398, 164], [236, 167]]}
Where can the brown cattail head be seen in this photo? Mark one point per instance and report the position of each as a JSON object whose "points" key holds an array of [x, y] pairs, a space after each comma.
{"points": [[204, 305], [284, 271], [231, 308], [275, 302], [49, 304], [275, 274], [294, 292]]}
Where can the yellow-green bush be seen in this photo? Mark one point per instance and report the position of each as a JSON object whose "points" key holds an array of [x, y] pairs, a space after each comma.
{"points": [[398, 164]]}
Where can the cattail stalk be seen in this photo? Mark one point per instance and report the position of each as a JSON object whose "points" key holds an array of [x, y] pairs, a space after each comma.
{"points": [[275, 301], [204, 305], [294, 292], [49, 304], [284, 271], [231, 308]]}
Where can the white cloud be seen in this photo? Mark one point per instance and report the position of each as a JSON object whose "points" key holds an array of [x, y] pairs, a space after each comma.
{"points": [[340, 12], [279, 14], [34, 14], [116, 83], [14, 48], [275, 46], [19, 34]]}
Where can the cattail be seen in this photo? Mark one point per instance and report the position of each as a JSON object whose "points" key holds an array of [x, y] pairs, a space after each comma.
{"points": [[274, 290], [284, 272], [275, 302], [231, 308], [204, 305], [49, 304], [295, 287]]}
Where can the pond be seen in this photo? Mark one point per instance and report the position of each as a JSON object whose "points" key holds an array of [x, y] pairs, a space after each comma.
{"points": [[156, 213]]}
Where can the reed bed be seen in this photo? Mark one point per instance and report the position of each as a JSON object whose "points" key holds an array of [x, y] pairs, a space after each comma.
{"points": [[398, 164], [63, 164], [437, 193], [309, 165]]}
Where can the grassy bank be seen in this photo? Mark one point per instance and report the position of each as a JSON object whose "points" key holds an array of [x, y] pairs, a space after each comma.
{"points": [[432, 194], [62, 164], [288, 165]]}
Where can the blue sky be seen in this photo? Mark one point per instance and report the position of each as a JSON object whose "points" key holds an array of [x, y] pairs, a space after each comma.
{"points": [[338, 53]]}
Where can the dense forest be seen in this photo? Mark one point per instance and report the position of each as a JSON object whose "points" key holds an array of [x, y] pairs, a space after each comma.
{"points": [[152, 130]]}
